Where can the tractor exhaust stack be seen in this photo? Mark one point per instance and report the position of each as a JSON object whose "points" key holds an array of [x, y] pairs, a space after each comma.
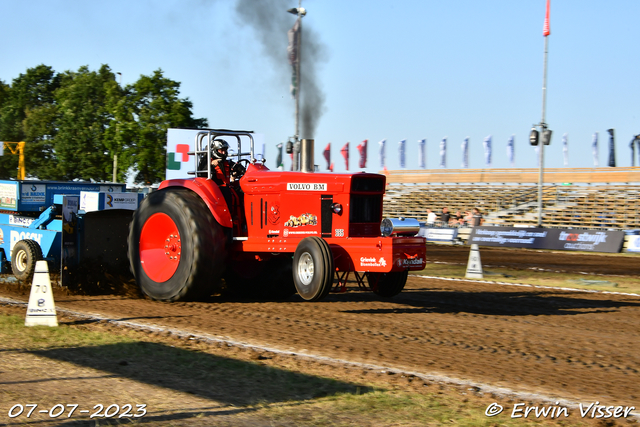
{"points": [[306, 156]]}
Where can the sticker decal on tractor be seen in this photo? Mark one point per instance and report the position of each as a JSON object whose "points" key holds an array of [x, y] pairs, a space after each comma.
{"points": [[302, 220], [308, 232], [410, 261], [372, 262], [293, 186], [274, 214]]}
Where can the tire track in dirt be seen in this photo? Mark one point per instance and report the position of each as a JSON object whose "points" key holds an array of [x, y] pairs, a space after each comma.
{"points": [[550, 342]]}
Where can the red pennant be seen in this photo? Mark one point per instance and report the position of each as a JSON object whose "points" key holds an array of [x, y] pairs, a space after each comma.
{"points": [[327, 155], [345, 154], [362, 149], [546, 30]]}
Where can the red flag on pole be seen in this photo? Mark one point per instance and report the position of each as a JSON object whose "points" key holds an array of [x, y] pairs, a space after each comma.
{"points": [[345, 154], [546, 30], [327, 156], [362, 149]]}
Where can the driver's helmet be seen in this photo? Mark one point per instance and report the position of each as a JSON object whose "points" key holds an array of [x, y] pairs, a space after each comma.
{"points": [[219, 149]]}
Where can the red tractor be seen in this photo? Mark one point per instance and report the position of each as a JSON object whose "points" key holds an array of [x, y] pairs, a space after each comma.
{"points": [[268, 233]]}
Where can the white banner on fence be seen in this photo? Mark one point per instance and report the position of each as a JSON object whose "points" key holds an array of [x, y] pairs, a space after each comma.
{"points": [[438, 234], [633, 244]]}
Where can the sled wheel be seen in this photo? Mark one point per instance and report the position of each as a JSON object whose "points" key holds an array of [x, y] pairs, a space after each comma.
{"points": [[389, 284], [313, 269], [24, 256], [177, 250]]}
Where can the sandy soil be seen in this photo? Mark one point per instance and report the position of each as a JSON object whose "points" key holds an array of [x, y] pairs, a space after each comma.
{"points": [[574, 345]]}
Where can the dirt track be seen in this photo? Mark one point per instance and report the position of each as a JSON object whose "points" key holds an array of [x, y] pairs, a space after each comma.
{"points": [[579, 346]]}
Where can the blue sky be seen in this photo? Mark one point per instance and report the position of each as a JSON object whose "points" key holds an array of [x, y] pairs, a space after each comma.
{"points": [[389, 70]]}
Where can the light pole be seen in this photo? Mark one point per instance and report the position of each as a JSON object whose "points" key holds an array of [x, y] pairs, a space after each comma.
{"points": [[297, 40], [115, 154]]}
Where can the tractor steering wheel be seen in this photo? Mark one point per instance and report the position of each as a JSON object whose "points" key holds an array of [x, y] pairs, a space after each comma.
{"points": [[238, 169]]}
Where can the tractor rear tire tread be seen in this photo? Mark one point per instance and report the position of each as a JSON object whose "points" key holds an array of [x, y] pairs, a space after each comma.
{"points": [[199, 273]]}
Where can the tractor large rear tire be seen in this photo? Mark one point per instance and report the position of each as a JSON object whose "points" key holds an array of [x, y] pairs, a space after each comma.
{"points": [[313, 268], [389, 284], [177, 250]]}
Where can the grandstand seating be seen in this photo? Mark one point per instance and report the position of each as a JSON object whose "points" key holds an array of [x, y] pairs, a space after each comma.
{"points": [[585, 203]]}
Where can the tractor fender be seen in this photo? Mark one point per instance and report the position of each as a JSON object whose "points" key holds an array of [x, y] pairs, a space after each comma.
{"points": [[209, 193]]}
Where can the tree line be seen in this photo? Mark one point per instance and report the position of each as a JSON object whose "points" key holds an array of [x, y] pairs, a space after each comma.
{"points": [[74, 123]]}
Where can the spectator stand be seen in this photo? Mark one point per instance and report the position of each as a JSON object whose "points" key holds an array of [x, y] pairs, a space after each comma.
{"points": [[582, 198]]}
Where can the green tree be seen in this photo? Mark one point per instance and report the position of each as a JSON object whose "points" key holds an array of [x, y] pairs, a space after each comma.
{"points": [[75, 122], [4, 93], [121, 130], [154, 103], [83, 118], [31, 95]]}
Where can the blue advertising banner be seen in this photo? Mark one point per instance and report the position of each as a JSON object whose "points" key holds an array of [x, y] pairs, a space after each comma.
{"points": [[549, 238]]}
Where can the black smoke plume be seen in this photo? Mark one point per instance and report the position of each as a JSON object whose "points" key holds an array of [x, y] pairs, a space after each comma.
{"points": [[270, 20]]}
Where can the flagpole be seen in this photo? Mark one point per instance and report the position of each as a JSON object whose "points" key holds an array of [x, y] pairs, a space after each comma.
{"points": [[545, 32], [543, 125], [295, 146]]}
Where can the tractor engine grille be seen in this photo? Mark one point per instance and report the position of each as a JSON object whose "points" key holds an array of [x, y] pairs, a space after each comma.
{"points": [[365, 215]]}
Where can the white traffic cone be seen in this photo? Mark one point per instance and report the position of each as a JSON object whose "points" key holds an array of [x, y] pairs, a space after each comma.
{"points": [[41, 309], [474, 267]]}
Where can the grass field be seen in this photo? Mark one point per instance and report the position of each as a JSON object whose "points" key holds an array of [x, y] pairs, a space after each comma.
{"points": [[193, 383], [539, 278]]}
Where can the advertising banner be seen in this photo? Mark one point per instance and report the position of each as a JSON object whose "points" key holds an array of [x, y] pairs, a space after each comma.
{"points": [[32, 196], [9, 196], [438, 234], [69, 238], [95, 201], [549, 238], [634, 244]]}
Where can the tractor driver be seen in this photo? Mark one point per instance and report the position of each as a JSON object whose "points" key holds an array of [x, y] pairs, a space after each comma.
{"points": [[225, 172], [221, 169]]}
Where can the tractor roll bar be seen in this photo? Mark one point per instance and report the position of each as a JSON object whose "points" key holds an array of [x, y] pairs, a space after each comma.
{"points": [[202, 148]]}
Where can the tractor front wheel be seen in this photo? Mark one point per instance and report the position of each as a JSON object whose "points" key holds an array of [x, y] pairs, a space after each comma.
{"points": [[313, 268]]}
